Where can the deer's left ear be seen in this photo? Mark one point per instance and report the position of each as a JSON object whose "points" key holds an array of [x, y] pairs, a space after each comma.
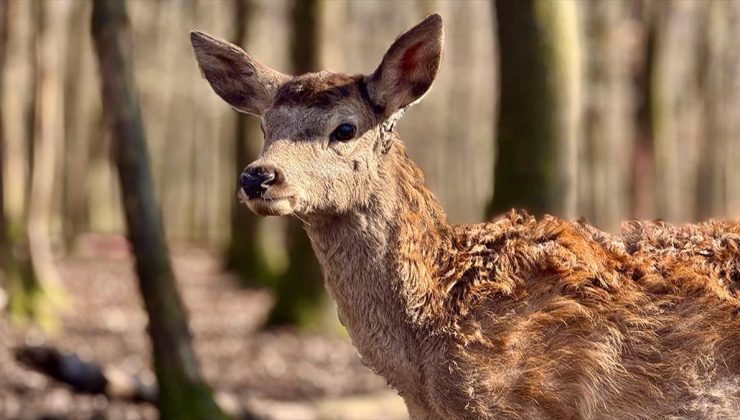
{"points": [[408, 67]]}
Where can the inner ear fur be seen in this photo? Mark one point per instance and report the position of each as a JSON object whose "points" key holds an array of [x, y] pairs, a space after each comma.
{"points": [[409, 66], [243, 82]]}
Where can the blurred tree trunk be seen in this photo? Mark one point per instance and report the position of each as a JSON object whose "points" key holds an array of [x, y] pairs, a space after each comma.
{"points": [[183, 393], [732, 69], [663, 82], [467, 156], [676, 105], [178, 180], [245, 256], [642, 177], [539, 107], [608, 121], [30, 297], [82, 123], [711, 190], [300, 295], [18, 105], [48, 135], [8, 265]]}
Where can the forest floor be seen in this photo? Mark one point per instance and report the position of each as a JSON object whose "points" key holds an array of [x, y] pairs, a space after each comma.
{"points": [[273, 374]]}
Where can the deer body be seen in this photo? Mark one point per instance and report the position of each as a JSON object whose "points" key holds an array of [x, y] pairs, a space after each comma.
{"points": [[517, 318], [537, 319]]}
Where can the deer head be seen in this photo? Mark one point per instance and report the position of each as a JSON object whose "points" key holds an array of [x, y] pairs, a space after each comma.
{"points": [[327, 135]]}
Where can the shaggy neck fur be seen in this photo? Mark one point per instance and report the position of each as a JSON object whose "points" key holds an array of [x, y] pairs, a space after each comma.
{"points": [[379, 264]]}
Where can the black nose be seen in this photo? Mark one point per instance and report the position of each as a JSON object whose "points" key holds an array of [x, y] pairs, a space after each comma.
{"points": [[256, 180]]}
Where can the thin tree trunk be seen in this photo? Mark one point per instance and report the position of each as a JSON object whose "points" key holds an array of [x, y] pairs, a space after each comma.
{"points": [[642, 176], [82, 115], [300, 295], [17, 108], [609, 122], [538, 118], [178, 180], [6, 259], [732, 68], [676, 106], [245, 256], [29, 298], [48, 136], [183, 393], [711, 191]]}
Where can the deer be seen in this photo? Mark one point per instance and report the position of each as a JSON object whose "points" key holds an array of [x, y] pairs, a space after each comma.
{"points": [[518, 318]]}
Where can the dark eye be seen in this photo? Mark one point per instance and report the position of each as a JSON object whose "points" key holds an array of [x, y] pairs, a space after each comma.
{"points": [[344, 132]]}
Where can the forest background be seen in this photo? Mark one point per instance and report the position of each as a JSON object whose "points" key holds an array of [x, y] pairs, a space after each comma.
{"points": [[607, 110]]}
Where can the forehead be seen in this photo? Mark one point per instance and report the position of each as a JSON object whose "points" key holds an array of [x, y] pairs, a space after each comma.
{"points": [[319, 90], [306, 104]]}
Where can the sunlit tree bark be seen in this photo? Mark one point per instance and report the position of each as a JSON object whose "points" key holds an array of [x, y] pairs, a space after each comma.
{"points": [[6, 260], [732, 69], [48, 135], [717, 93], [608, 119], [30, 276], [676, 104]]}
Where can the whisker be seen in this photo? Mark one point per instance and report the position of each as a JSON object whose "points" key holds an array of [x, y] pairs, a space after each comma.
{"points": [[299, 218], [266, 196]]}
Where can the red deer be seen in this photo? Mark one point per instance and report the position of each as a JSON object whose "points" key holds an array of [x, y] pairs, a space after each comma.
{"points": [[515, 318]]}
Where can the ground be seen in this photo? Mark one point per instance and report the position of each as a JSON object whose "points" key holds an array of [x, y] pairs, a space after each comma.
{"points": [[279, 374]]}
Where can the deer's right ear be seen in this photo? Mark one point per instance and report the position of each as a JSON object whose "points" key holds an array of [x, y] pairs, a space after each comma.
{"points": [[234, 75]]}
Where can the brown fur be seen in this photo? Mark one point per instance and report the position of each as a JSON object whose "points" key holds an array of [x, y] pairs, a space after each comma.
{"points": [[525, 318], [517, 318]]}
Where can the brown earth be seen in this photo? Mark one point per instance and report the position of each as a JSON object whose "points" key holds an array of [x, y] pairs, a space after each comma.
{"points": [[274, 374]]}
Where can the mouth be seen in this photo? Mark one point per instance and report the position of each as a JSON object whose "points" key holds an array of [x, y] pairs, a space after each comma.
{"points": [[268, 206]]}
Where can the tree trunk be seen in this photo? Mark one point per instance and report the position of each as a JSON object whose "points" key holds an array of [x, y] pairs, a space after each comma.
{"points": [[29, 298], [48, 136], [675, 105], [608, 113], [711, 189], [732, 68], [82, 119], [642, 177], [538, 118], [300, 295], [183, 393], [245, 256], [6, 261]]}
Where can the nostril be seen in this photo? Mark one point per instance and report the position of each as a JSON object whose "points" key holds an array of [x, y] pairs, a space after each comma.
{"points": [[269, 177], [256, 180], [251, 183], [244, 180]]}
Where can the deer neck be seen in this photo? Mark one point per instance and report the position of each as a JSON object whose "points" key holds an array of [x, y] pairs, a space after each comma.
{"points": [[380, 261]]}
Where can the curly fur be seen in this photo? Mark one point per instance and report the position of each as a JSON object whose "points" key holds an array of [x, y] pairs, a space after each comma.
{"points": [[526, 318]]}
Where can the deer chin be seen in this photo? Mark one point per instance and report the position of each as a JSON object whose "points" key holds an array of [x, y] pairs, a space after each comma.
{"points": [[268, 207]]}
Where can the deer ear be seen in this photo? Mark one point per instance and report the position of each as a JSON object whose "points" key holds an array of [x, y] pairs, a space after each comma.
{"points": [[408, 67], [234, 75]]}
